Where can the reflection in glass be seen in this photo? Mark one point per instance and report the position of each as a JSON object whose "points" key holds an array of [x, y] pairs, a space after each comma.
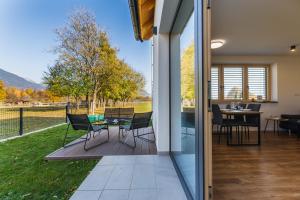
{"points": [[183, 107]]}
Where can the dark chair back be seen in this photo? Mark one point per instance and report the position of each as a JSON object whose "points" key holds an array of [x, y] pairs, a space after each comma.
{"points": [[141, 120], [217, 114], [243, 105], [111, 113], [253, 119], [254, 106], [228, 106], [79, 121], [126, 113], [188, 119]]}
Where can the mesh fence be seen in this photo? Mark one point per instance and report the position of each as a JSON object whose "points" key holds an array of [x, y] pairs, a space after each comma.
{"points": [[16, 121]]}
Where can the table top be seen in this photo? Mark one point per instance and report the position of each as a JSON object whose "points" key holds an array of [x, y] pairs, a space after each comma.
{"points": [[240, 112], [276, 118], [112, 121]]}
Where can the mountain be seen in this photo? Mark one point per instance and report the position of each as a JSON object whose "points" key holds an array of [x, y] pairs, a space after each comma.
{"points": [[13, 80], [144, 93]]}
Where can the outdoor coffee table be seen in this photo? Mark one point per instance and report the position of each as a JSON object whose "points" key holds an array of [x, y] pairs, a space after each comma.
{"points": [[113, 122]]}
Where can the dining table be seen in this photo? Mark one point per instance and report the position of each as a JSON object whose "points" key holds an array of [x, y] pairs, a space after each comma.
{"points": [[244, 112]]}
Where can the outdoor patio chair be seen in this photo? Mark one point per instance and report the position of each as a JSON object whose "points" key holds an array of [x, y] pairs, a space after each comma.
{"points": [[126, 113], [139, 121], [82, 122], [111, 113]]}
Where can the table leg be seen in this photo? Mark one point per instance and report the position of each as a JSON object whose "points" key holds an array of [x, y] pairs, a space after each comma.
{"points": [[242, 135], [274, 126], [266, 126], [258, 135], [277, 127]]}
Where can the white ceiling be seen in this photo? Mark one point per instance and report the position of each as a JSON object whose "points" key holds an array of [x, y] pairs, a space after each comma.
{"points": [[256, 27]]}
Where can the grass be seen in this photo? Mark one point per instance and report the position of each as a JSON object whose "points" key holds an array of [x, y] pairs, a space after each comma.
{"points": [[143, 106], [10, 127], [26, 175]]}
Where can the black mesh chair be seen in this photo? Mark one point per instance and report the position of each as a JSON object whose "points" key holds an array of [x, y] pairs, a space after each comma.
{"points": [[126, 113], [252, 120], [187, 121], [240, 118], [139, 121], [111, 113], [82, 122], [221, 123]]}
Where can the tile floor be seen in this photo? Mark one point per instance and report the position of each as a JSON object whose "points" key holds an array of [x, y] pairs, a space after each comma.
{"points": [[134, 177]]}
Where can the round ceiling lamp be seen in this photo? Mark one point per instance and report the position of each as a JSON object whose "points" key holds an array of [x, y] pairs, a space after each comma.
{"points": [[217, 43]]}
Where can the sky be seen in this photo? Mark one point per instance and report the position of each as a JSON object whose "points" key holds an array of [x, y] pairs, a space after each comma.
{"points": [[27, 37]]}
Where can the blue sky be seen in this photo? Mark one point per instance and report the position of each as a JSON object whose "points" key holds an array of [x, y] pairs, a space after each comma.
{"points": [[27, 34]]}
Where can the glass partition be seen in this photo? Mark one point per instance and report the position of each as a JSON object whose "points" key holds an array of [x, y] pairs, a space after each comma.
{"points": [[183, 100]]}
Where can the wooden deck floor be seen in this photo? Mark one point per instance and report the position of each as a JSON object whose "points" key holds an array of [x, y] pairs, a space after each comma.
{"points": [[113, 147], [271, 171]]}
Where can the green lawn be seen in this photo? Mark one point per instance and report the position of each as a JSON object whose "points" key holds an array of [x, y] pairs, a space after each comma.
{"points": [[26, 175], [10, 127]]}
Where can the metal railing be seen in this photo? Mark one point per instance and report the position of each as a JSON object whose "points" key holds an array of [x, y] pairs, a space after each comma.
{"points": [[18, 121]]}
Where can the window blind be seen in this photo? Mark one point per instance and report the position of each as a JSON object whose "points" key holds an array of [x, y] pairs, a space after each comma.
{"points": [[233, 83], [257, 82], [214, 83]]}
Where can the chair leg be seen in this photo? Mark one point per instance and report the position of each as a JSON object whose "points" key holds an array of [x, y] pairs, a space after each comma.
{"points": [[266, 126], [134, 137], [107, 133], [146, 139], [153, 133], [248, 131], [126, 137], [219, 133], [66, 134], [88, 137], [72, 144]]}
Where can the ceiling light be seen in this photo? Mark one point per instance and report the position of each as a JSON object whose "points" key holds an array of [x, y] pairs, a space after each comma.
{"points": [[217, 43], [293, 48]]}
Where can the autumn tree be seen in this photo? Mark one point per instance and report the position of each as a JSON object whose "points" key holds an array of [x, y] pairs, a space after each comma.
{"points": [[2, 91], [64, 81], [88, 65], [188, 74], [82, 47]]}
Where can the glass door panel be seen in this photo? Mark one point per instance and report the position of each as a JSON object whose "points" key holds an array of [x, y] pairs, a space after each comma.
{"points": [[183, 100]]}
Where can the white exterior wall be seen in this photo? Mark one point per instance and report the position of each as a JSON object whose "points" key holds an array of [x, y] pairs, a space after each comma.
{"points": [[164, 14], [160, 88]]}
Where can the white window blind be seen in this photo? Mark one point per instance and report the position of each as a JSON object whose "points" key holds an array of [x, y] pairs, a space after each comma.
{"points": [[233, 83], [214, 83], [257, 83]]}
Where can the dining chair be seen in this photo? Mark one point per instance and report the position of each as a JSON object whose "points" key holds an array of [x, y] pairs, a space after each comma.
{"points": [[221, 122], [252, 120]]}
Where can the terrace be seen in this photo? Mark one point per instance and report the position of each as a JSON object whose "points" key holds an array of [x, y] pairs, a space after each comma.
{"points": [[113, 147]]}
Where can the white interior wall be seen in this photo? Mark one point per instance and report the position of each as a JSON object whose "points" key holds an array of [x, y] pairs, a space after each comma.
{"points": [[285, 83]]}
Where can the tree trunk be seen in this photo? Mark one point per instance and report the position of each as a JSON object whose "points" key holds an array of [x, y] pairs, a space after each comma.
{"points": [[94, 101], [87, 101], [77, 103]]}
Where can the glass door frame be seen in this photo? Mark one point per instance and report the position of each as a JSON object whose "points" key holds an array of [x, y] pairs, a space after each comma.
{"points": [[199, 103]]}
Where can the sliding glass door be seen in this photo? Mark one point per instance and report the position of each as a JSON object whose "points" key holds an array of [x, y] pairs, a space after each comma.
{"points": [[184, 100]]}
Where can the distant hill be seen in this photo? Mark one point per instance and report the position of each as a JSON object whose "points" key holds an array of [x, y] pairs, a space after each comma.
{"points": [[144, 93], [13, 80]]}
